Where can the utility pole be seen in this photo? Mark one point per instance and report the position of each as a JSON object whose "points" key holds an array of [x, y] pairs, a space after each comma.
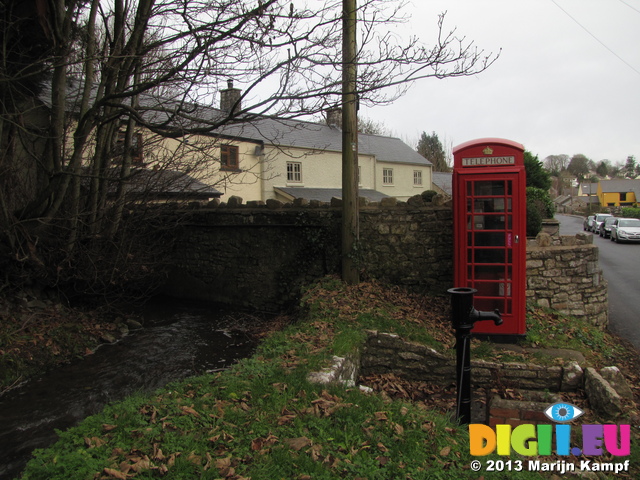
{"points": [[350, 227]]}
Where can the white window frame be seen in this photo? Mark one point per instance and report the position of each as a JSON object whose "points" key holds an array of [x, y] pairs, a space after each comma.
{"points": [[294, 172], [387, 176], [417, 178]]}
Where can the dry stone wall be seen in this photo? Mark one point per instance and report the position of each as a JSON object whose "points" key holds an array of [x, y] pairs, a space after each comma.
{"points": [[563, 274], [388, 353], [259, 255]]}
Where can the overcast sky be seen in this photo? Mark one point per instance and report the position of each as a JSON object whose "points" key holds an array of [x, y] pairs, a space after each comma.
{"points": [[566, 82]]}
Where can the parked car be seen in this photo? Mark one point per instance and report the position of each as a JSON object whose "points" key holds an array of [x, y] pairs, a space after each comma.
{"points": [[605, 227], [625, 230], [587, 222], [598, 219]]}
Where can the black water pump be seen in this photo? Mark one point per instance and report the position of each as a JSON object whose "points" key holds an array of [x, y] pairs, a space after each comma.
{"points": [[463, 316]]}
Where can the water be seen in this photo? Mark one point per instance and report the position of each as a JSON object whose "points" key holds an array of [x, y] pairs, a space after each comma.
{"points": [[179, 340]]}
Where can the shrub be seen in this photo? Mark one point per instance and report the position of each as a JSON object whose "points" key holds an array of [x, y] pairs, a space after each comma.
{"points": [[428, 195], [539, 206], [631, 212], [534, 218]]}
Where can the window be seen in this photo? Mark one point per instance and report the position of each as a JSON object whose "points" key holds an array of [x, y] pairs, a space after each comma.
{"points": [[387, 176], [229, 157], [294, 172], [417, 178], [623, 196], [137, 157]]}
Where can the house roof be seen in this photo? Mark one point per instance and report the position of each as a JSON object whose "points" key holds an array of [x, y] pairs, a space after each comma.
{"points": [[321, 137], [614, 186], [171, 183], [562, 199], [586, 199], [326, 194], [162, 184], [589, 188], [444, 181], [173, 112]]}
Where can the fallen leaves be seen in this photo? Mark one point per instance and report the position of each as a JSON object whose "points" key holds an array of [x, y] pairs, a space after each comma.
{"points": [[351, 301], [326, 405], [430, 395], [136, 462], [94, 442], [263, 445], [297, 444], [189, 411], [112, 472]]}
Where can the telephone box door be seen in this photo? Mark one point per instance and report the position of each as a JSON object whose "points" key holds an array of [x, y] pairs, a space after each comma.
{"points": [[490, 243]]}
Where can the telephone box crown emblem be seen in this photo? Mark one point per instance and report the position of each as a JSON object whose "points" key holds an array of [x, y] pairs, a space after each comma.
{"points": [[487, 151]]}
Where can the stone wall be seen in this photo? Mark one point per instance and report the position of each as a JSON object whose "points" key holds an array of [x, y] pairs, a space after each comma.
{"points": [[388, 353], [260, 255], [563, 274]]}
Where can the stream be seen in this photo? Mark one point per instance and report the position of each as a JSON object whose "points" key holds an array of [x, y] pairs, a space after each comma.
{"points": [[178, 340]]}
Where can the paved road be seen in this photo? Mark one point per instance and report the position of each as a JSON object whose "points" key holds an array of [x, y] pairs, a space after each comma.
{"points": [[620, 265]]}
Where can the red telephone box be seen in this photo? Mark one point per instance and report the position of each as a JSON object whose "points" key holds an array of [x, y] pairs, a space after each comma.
{"points": [[489, 201]]}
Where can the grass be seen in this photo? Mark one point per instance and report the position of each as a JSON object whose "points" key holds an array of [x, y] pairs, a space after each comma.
{"points": [[263, 420]]}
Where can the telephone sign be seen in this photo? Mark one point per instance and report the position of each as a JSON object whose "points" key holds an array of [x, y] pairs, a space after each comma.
{"points": [[489, 201]]}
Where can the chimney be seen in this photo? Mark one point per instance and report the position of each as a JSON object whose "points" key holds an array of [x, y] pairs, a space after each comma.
{"points": [[230, 98], [334, 117]]}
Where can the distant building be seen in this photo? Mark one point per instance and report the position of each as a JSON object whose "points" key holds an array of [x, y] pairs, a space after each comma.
{"points": [[619, 193], [257, 159], [298, 159], [588, 189]]}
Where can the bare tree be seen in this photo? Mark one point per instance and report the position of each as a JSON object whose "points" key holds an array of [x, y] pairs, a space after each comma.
{"points": [[556, 163], [120, 66]]}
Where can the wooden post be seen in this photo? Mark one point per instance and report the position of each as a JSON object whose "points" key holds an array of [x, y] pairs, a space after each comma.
{"points": [[350, 227]]}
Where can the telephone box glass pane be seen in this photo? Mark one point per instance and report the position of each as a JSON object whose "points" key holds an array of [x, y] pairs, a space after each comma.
{"points": [[490, 304], [489, 205], [489, 188], [489, 239], [489, 255], [490, 243]]}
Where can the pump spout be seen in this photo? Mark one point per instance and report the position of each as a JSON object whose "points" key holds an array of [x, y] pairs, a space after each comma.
{"points": [[476, 316]]}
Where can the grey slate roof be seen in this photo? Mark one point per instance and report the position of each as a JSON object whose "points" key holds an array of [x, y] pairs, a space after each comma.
{"points": [[166, 184], [444, 181], [589, 188], [613, 186], [321, 137], [561, 200], [261, 129], [326, 194]]}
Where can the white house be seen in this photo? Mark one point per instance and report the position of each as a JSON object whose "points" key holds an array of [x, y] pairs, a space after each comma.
{"points": [[268, 158], [291, 158]]}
